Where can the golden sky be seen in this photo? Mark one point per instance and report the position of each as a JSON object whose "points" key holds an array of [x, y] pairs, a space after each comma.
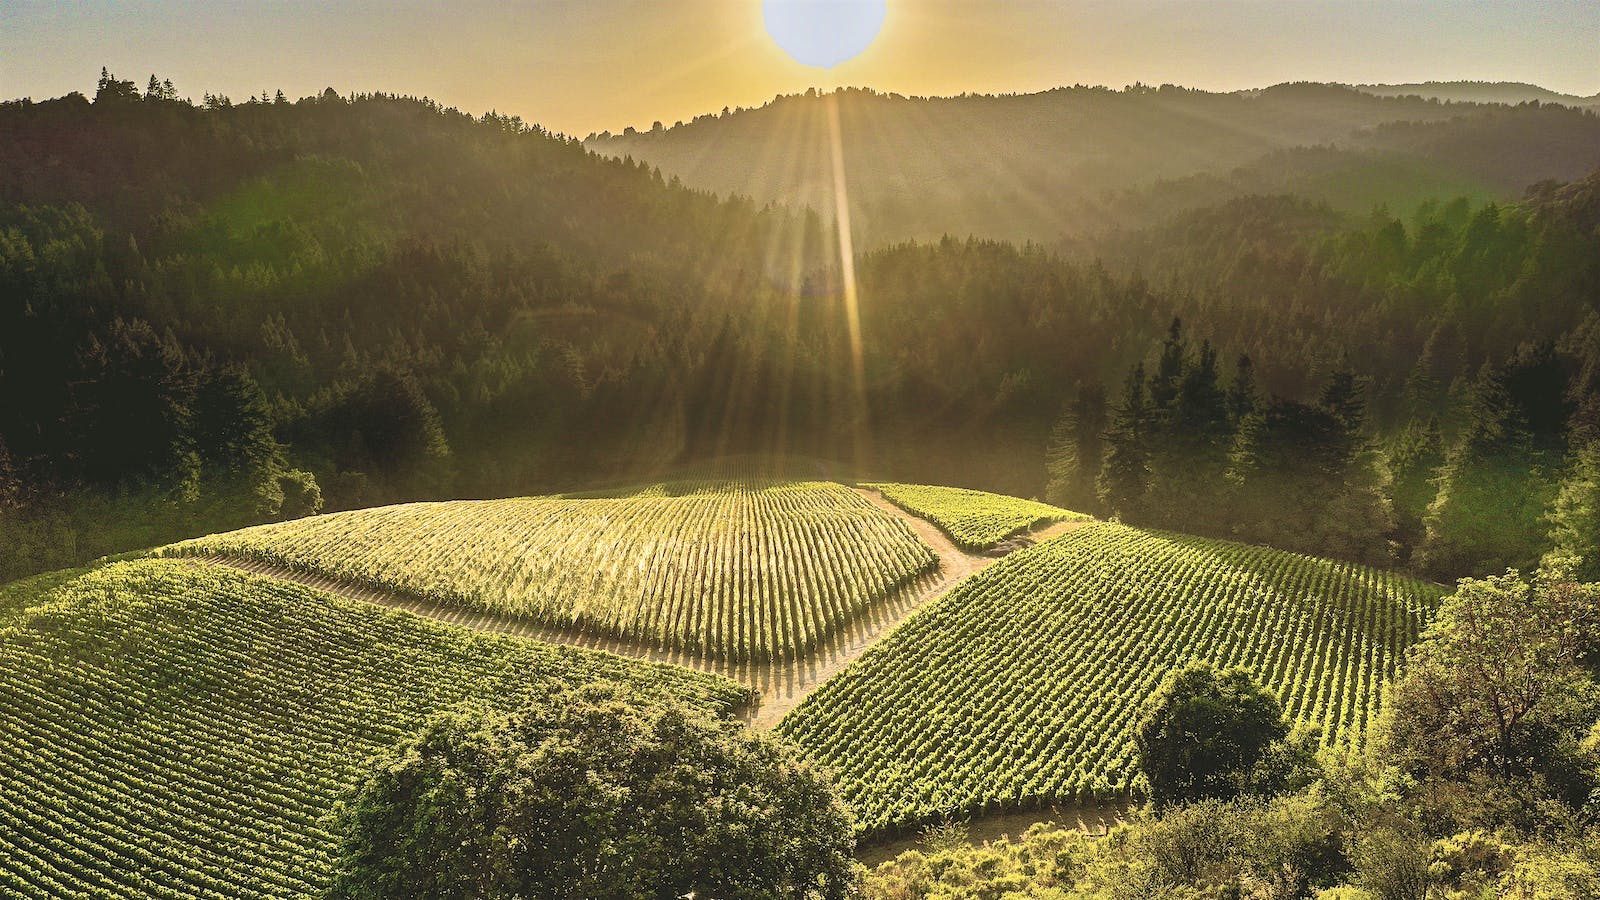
{"points": [[587, 65]]}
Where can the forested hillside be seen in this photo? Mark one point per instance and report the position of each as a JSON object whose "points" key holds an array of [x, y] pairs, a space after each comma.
{"points": [[1055, 164], [219, 314]]}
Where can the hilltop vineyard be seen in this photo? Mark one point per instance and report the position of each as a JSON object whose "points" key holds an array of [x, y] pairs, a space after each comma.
{"points": [[174, 729], [732, 570], [1025, 681], [975, 520]]}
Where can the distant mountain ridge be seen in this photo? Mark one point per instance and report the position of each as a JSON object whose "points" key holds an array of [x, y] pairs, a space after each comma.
{"points": [[1058, 164], [1506, 92]]}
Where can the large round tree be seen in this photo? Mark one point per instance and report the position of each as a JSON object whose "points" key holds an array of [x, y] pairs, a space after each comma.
{"points": [[1203, 733], [591, 794]]}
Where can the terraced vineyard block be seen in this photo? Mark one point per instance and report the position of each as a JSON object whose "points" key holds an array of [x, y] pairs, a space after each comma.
{"points": [[732, 570], [975, 520], [174, 729], [1021, 686]]}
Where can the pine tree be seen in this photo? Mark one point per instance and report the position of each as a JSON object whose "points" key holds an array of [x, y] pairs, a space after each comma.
{"points": [[1189, 453], [1307, 478], [1500, 480], [1077, 449], [1125, 477], [1169, 370], [1242, 393]]}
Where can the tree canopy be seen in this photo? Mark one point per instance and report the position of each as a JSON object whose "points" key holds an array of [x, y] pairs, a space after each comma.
{"points": [[590, 794]]}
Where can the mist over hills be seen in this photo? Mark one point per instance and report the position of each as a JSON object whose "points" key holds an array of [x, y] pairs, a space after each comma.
{"points": [[1508, 92], [1073, 161]]}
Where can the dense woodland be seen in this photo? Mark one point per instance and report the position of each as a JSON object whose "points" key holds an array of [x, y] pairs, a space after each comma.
{"points": [[221, 313]]}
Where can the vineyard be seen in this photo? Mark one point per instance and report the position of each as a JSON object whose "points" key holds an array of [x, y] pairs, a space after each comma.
{"points": [[173, 729], [975, 520], [732, 570], [1023, 683]]}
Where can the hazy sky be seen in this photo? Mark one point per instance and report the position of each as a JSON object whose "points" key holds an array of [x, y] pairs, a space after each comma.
{"points": [[585, 65]]}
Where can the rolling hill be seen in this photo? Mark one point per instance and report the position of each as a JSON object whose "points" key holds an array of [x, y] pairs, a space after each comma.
{"points": [[1025, 680], [730, 570], [182, 727], [1053, 165], [1506, 92], [177, 729]]}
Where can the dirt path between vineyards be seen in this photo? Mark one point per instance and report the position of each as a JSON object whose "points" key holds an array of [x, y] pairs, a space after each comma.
{"points": [[782, 684]]}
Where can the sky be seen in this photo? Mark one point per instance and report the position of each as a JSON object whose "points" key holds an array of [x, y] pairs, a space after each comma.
{"points": [[579, 66]]}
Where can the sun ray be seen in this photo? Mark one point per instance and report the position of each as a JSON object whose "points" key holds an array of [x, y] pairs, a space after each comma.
{"points": [[847, 277]]}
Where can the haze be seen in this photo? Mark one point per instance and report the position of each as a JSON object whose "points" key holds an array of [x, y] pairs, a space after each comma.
{"points": [[594, 65]]}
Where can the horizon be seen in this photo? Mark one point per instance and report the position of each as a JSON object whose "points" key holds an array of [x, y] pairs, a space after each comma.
{"points": [[581, 69]]}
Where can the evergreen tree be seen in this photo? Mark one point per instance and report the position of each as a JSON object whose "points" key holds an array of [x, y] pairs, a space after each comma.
{"points": [[1306, 482], [1125, 477], [1499, 481], [1077, 449], [1575, 517], [231, 425], [112, 90], [1189, 454], [11, 487], [1242, 392], [1415, 459], [1164, 382], [132, 408]]}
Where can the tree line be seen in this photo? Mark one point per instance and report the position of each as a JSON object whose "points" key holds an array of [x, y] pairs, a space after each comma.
{"points": [[372, 298], [1183, 449]]}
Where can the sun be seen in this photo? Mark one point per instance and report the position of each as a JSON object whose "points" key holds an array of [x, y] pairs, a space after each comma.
{"points": [[824, 33]]}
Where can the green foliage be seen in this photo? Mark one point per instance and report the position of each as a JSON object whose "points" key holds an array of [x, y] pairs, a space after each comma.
{"points": [[1496, 689], [1575, 518], [1287, 847], [1043, 863], [1501, 477], [1076, 450], [738, 570], [1184, 453], [301, 494], [1414, 460], [1202, 734], [590, 794], [177, 729], [1306, 480], [1124, 481], [975, 520], [1392, 862], [1025, 681]]}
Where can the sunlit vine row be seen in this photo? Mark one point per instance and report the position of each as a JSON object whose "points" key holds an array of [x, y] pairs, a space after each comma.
{"points": [[1020, 687], [171, 729], [734, 570], [975, 520]]}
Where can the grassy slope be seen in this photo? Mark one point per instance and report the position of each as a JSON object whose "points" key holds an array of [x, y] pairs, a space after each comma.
{"points": [[177, 729], [1024, 681], [975, 520], [737, 570]]}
